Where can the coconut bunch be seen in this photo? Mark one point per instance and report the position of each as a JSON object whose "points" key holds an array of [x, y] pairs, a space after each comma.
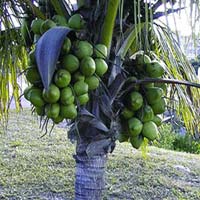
{"points": [[78, 71], [40, 26], [143, 104]]}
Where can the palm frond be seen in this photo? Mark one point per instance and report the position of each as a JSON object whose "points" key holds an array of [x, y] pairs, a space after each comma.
{"points": [[13, 57], [15, 40]]}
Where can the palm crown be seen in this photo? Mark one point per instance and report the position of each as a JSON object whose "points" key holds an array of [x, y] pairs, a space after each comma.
{"points": [[128, 30]]}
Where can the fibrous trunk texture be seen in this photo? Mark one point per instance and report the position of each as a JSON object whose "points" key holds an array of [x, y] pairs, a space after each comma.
{"points": [[89, 177]]}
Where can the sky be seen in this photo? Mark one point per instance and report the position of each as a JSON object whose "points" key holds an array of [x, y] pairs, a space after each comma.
{"points": [[181, 24], [182, 20]]}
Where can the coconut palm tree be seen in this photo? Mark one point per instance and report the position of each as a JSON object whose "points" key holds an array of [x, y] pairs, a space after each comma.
{"points": [[127, 28]]}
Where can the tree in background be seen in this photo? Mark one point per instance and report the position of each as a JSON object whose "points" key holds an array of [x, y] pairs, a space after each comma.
{"points": [[121, 70], [196, 63]]}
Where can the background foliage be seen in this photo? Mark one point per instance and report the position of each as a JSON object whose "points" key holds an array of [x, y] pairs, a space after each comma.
{"points": [[173, 140]]}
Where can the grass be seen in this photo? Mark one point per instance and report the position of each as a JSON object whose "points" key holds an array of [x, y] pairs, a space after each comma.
{"points": [[43, 168]]}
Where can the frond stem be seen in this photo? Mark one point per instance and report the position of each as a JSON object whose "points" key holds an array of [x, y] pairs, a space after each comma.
{"points": [[158, 80]]}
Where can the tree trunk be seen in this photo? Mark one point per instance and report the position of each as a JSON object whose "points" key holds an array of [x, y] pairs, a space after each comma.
{"points": [[89, 177]]}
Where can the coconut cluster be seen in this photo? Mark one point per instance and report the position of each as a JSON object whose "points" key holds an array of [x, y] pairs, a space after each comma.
{"points": [[78, 71], [144, 104]]}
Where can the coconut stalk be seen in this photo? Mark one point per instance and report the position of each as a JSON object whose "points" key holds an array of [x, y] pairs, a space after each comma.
{"points": [[109, 23]]}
